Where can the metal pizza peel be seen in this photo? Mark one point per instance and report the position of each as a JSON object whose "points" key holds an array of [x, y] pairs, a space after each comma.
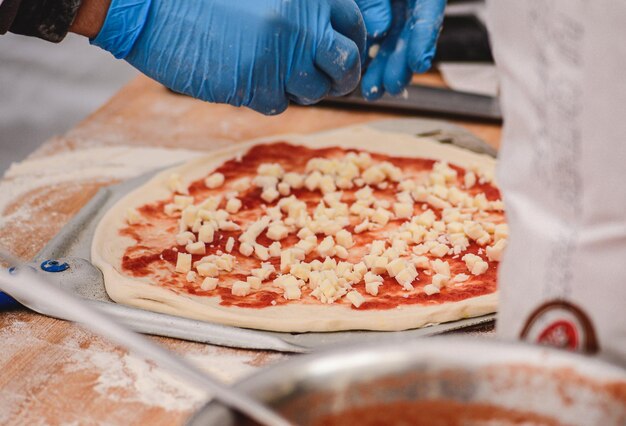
{"points": [[66, 261]]}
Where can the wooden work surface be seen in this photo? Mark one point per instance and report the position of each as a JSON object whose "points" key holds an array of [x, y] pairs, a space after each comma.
{"points": [[56, 373]]}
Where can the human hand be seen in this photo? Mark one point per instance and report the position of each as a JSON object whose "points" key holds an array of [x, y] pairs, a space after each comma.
{"points": [[255, 53], [407, 31]]}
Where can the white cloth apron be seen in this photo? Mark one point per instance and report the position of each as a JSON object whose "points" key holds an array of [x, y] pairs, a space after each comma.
{"points": [[562, 171]]}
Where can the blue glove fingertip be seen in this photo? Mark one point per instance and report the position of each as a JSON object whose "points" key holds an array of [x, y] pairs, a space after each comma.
{"points": [[372, 93], [424, 64]]}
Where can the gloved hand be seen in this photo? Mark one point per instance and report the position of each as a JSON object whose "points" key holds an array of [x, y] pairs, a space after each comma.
{"points": [[256, 53], [407, 31]]}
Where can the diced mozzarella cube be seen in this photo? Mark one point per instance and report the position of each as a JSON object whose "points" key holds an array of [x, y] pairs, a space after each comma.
{"points": [[294, 180], [274, 249], [284, 189], [470, 259], [475, 264], [469, 179], [254, 282], [214, 180], [395, 266], [341, 252], [326, 247], [419, 193], [454, 228], [327, 184], [440, 280], [170, 209], [439, 250], [407, 185], [362, 227], [261, 273], [437, 202], [480, 267], [437, 178], [371, 277], [494, 252], [443, 168], [301, 271], [254, 230], [225, 262], [312, 181], [183, 201], [439, 226], [426, 219], [270, 169], [269, 194], [460, 278], [208, 269], [406, 277], [366, 193], [381, 216], [183, 263], [372, 287], [240, 288], [497, 205], [403, 210], [344, 238], [233, 205], [480, 201], [421, 249], [277, 231], [196, 248], [292, 292], [174, 183], [501, 231], [191, 276], [431, 289], [421, 262], [242, 184], [373, 175], [265, 181], [377, 247], [473, 229], [440, 267], [261, 252], [230, 243], [308, 244], [287, 258], [227, 225], [185, 238], [304, 233], [379, 264], [246, 249], [355, 298], [209, 284]]}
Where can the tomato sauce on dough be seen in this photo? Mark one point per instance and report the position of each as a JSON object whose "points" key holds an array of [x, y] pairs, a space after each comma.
{"points": [[153, 255]]}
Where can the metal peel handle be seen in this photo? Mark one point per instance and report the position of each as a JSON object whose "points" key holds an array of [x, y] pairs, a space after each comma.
{"points": [[31, 289]]}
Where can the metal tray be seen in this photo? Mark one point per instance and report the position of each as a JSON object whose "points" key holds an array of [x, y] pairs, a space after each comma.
{"points": [[65, 261]]}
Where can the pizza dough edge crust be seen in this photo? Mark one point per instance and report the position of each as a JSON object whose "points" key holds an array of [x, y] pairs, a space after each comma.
{"points": [[108, 247]]}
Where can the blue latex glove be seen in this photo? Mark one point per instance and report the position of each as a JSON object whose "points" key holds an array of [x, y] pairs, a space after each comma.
{"points": [[407, 31], [255, 53]]}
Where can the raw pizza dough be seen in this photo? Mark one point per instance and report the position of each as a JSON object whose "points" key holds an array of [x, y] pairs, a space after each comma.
{"points": [[108, 248]]}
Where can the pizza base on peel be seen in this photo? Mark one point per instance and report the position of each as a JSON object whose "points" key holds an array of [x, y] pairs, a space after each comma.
{"points": [[138, 245]]}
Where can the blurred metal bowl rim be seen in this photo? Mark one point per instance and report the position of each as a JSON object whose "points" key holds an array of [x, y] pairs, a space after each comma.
{"points": [[395, 354]]}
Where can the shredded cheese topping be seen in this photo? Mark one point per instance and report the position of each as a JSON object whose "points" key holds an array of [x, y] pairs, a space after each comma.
{"points": [[417, 246]]}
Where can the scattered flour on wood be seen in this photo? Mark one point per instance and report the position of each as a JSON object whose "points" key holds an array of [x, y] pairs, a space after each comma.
{"points": [[151, 385], [91, 164], [123, 377]]}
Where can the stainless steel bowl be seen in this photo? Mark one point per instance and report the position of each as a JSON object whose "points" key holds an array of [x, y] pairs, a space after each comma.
{"points": [[437, 381]]}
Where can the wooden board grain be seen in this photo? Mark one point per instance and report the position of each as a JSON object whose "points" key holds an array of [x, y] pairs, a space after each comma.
{"points": [[52, 371]]}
